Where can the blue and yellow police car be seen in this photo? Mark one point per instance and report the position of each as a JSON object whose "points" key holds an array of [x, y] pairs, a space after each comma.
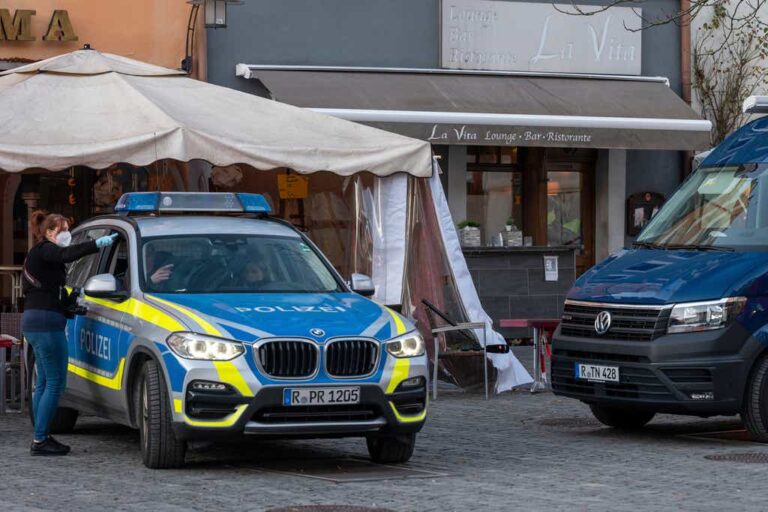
{"points": [[208, 318]]}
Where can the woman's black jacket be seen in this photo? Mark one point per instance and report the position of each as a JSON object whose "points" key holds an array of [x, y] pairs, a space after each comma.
{"points": [[45, 262]]}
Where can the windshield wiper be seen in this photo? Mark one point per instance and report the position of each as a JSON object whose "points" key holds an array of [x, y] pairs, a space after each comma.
{"points": [[716, 248], [646, 245]]}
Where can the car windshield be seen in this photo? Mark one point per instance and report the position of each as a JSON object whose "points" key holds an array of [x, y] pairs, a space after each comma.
{"points": [[722, 207], [233, 264]]}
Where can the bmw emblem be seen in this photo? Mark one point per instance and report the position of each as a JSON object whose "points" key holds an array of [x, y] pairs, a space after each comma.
{"points": [[602, 322], [317, 333]]}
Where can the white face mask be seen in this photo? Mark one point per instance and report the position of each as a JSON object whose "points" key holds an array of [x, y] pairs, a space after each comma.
{"points": [[63, 239]]}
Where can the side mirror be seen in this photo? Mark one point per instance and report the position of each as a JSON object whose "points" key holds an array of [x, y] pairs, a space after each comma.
{"points": [[362, 284], [103, 286]]}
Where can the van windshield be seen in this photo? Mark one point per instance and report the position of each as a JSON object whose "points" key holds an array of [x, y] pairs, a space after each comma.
{"points": [[716, 207], [233, 264]]}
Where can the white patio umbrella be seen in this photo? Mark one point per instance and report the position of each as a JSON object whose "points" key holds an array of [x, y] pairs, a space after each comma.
{"points": [[96, 109]]}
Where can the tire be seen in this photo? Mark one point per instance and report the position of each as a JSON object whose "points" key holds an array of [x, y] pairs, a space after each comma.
{"points": [[391, 449], [621, 417], [754, 412], [65, 418], [159, 447]]}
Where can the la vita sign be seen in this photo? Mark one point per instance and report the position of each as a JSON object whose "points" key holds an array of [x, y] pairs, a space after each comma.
{"points": [[530, 37], [18, 26]]}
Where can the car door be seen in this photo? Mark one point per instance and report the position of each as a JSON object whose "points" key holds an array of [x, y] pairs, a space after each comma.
{"points": [[95, 358]]}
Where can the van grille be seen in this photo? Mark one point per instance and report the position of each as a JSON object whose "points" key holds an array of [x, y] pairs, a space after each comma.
{"points": [[351, 358], [288, 358], [627, 322]]}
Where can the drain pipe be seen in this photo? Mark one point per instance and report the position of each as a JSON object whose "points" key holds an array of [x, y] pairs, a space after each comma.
{"points": [[685, 74]]}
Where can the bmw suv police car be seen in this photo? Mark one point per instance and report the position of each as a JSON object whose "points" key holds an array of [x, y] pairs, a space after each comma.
{"points": [[202, 326]]}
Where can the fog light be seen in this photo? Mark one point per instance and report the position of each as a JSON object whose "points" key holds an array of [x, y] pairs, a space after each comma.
{"points": [[707, 395], [413, 382], [204, 385]]}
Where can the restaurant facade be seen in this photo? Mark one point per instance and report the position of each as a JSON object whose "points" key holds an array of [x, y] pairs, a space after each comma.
{"points": [[559, 136]]}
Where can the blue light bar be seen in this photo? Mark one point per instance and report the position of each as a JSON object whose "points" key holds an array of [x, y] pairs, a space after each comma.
{"points": [[254, 203], [192, 202]]}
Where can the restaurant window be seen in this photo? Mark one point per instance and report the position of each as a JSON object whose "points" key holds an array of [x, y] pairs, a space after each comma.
{"points": [[494, 189], [564, 208]]}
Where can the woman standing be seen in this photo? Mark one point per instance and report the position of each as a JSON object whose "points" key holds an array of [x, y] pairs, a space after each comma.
{"points": [[44, 320]]}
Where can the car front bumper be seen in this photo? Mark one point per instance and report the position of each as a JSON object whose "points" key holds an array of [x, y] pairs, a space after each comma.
{"points": [[377, 413], [702, 373]]}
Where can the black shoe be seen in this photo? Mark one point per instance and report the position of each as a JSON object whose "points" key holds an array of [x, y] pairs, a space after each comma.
{"points": [[48, 447]]}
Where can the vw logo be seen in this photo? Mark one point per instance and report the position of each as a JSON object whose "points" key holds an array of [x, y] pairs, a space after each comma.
{"points": [[602, 322], [317, 332]]}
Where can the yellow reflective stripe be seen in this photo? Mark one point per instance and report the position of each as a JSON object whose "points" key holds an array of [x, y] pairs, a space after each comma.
{"points": [[209, 329], [177, 406], [226, 422], [408, 419], [142, 311], [399, 373], [399, 325], [114, 382], [229, 373]]}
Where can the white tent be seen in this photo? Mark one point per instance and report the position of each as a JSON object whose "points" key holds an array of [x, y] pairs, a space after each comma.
{"points": [[95, 109], [92, 109]]}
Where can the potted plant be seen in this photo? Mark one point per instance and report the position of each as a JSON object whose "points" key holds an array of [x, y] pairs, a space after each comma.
{"points": [[469, 233]]}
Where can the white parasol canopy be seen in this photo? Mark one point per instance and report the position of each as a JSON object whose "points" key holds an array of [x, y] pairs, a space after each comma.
{"points": [[96, 109]]}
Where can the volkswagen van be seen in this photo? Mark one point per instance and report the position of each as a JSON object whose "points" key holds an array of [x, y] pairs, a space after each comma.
{"points": [[679, 322], [208, 319]]}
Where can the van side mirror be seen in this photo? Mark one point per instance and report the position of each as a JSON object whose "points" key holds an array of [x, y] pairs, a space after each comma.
{"points": [[362, 284], [104, 286]]}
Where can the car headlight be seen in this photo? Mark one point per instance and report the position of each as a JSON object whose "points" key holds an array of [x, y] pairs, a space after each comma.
{"points": [[409, 345], [190, 345], [704, 316]]}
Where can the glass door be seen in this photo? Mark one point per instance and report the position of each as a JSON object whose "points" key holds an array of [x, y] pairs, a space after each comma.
{"points": [[570, 211]]}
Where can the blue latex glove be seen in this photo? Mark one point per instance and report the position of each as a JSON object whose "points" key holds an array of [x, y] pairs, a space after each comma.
{"points": [[106, 241]]}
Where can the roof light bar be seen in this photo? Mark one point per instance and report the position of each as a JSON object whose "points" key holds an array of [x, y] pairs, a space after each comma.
{"points": [[225, 202], [755, 105]]}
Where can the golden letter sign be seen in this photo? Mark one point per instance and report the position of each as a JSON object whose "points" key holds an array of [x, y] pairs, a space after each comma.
{"points": [[19, 26]]}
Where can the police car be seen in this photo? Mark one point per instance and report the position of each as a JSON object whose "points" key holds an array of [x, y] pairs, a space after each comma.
{"points": [[208, 325]]}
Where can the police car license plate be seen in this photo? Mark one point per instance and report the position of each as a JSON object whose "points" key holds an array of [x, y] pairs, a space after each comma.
{"points": [[597, 373], [321, 396]]}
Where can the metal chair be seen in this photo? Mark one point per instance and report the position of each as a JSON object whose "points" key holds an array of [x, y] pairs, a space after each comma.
{"points": [[432, 310], [13, 368]]}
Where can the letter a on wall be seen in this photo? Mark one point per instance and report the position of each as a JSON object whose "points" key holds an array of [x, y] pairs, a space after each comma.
{"points": [[60, 28]]}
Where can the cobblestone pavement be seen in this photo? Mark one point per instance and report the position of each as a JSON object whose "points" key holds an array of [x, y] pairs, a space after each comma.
{"points": [[515, 452]]}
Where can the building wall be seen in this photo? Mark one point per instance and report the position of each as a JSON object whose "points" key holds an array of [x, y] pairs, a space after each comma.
{"points": [[149, 30]]}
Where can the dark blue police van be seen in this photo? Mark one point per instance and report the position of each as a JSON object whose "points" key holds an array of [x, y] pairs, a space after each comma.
{"points": [[679, 322]]}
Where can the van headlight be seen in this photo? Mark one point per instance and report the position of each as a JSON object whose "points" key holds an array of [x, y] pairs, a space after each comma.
{"points": [[190, 345], [409, 345], [704, 316]]}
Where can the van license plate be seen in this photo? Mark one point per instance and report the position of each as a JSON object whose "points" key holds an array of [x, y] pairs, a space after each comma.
{"points": [[321, 396], [597, 373]]}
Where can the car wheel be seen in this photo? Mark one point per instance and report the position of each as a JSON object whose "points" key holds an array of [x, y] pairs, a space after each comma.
{"points": [[391, 449], [754, 412], [64, 420], [159, 447], [621, 417]]}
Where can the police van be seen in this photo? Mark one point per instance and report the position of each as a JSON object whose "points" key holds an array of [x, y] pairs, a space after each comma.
{"points": [[209, 319], [679, 323]]}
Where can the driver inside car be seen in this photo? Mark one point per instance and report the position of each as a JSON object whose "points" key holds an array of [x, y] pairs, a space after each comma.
{"points": [[159, 266]]}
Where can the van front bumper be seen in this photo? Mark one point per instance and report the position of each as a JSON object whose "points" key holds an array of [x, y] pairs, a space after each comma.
{"points": [[702, 373], [400, 412]]}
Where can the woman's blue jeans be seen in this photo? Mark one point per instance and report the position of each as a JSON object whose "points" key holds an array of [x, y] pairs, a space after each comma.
{"points": [[51, 358]]}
